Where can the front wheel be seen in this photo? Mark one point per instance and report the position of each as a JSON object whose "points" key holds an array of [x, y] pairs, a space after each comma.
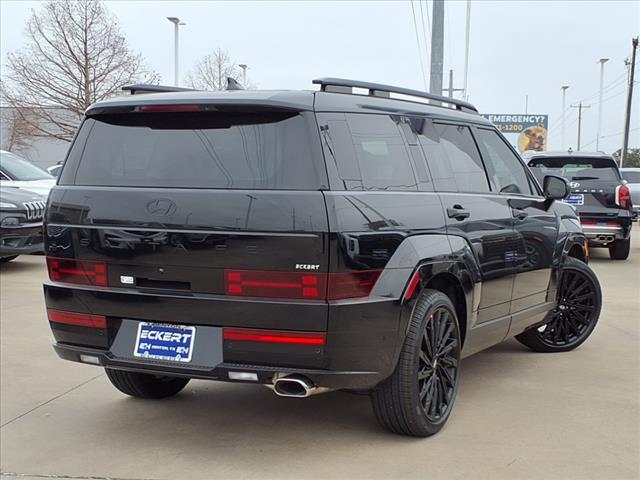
{"points": [[619, 249], [576, 313], [144, 385], [418, 397]]}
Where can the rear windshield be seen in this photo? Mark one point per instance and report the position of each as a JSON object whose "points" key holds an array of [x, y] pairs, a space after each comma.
{"points": [[631, 177], [228, 150], [575, 168]]}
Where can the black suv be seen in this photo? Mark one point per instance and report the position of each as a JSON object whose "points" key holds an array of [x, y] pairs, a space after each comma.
{"points": [[598, 192], [308, 241], [21, 213]]}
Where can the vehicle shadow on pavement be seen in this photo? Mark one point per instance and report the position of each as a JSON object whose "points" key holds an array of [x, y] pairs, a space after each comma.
{"points": [[19, 266]]}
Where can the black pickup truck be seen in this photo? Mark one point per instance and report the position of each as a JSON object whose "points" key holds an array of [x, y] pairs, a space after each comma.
{"points": [[598, 192]]}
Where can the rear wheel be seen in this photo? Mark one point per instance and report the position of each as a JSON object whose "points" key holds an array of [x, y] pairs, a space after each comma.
{"points": [[619, 250], [144, 385], [575, 315], [8, 259], [418, 397]]}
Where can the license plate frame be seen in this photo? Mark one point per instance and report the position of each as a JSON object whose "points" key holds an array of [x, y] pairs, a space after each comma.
{"points": [[165, 341]]}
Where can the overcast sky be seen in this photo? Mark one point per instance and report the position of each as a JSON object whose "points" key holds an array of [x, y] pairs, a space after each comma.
{"points": [[518, 48]]}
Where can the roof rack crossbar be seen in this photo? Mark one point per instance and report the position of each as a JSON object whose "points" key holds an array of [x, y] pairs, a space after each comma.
{"points": [[148, 88], [342, 85]]}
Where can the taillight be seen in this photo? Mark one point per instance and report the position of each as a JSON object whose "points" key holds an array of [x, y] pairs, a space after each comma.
{"points": [[169, 108], [79, 319], [299, 285], [351, 284], [81, 272], [274, 336], [623, 196], [258, 283]]}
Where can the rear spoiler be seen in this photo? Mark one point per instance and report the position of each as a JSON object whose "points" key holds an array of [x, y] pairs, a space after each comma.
{"points": [[146, 88]]}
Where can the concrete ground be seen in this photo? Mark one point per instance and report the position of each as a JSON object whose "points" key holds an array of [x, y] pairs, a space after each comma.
{"points": [[518, 415]]}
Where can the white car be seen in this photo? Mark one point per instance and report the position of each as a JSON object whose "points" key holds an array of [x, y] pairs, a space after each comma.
{"points": [[18, 172], [632, 176]]}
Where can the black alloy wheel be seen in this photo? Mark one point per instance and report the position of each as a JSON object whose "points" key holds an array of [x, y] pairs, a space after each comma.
{"points": [[418, 397], [576, 313], [438, 364]]}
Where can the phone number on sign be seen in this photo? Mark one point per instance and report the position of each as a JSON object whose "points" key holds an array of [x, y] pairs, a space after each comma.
{"points": [[510, 127]]}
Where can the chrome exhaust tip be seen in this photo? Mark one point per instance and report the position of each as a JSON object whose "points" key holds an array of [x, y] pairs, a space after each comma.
{"points": [[296, 386]]}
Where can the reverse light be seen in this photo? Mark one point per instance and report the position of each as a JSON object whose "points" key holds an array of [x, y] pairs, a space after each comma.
{"points": [[78, 319], [274, 336], [623, 196], [81, 272]]}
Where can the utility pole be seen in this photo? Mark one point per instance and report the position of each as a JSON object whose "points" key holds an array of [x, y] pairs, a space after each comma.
{"points": [[564, 109], [627, 117], [602, 61], [450, 90], [526, 104], [244, 67], [465, 95], [177, 23], [437, 48], [579, 107]]}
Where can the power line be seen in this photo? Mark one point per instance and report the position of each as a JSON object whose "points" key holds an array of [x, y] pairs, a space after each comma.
{"points": [[415, 25]]}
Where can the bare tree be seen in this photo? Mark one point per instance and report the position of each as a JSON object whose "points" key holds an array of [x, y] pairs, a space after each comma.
{"points": [[212, 71], [18, 132], [75, 56]]}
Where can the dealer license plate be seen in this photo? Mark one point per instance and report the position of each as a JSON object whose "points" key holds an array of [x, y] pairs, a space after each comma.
{"points": [[575, 199], [161, 341]]}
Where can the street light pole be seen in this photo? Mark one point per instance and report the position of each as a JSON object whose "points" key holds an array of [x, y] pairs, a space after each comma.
{"points": [[564, 110], [465, 95], [602, 61], [176, 24]]}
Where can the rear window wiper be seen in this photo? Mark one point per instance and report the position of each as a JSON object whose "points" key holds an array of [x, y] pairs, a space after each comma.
{"points": [[585, 178]]}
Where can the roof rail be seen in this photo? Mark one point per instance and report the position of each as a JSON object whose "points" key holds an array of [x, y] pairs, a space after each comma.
{"points": [[341, 85], [147, 88]]}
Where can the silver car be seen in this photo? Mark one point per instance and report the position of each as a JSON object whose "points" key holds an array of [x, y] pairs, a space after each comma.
{"points": [[632, 176]]}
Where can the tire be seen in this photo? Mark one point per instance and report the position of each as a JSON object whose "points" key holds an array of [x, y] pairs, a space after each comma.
{"points": [[8, 259], [576, 313], [403, 403], [619, 249], [144, 385]]}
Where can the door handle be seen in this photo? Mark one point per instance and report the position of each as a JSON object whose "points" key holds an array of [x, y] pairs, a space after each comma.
{"points": [[457, 212], [519, 214]]}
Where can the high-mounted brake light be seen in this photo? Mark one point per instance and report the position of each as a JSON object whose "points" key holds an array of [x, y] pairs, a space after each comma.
{"points": [[299, 285], [81, 272], [274, 336], [169, 108], [623, 196], [79, 319]]}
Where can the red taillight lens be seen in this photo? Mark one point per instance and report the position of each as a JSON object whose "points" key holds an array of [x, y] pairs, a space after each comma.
{"points": [[79, 319], [309, 286], [169, 108], [257, 283], [351, 284], [623, 196], [274, 336], [82, 272]]}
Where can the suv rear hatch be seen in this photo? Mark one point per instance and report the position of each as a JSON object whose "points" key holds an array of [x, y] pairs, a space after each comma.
{"points": [[218, 203], [594, 182]]}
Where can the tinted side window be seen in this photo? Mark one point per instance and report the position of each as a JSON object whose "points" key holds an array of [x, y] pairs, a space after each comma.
{"points": [[453, 158], [369, 152], [506, 171]]}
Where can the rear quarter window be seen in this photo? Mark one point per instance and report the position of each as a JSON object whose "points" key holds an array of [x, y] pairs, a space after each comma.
{"points": [[261, 150]]}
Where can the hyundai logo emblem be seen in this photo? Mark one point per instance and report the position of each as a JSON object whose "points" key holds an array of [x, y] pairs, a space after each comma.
{"points": [[161, 207]]}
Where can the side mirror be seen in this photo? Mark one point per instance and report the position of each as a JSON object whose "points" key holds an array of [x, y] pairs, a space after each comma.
{"points": [[555, 188]]}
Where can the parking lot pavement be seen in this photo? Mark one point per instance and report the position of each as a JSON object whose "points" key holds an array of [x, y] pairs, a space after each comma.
{"points": [[518, 414]]}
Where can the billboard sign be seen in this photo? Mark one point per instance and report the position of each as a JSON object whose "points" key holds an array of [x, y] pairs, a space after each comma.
{"points": [[525, 131]]}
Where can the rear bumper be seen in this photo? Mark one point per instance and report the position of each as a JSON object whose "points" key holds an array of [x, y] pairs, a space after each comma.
{"points": [[21, 240], [602, 230], [361, 336], [603, 234]]}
